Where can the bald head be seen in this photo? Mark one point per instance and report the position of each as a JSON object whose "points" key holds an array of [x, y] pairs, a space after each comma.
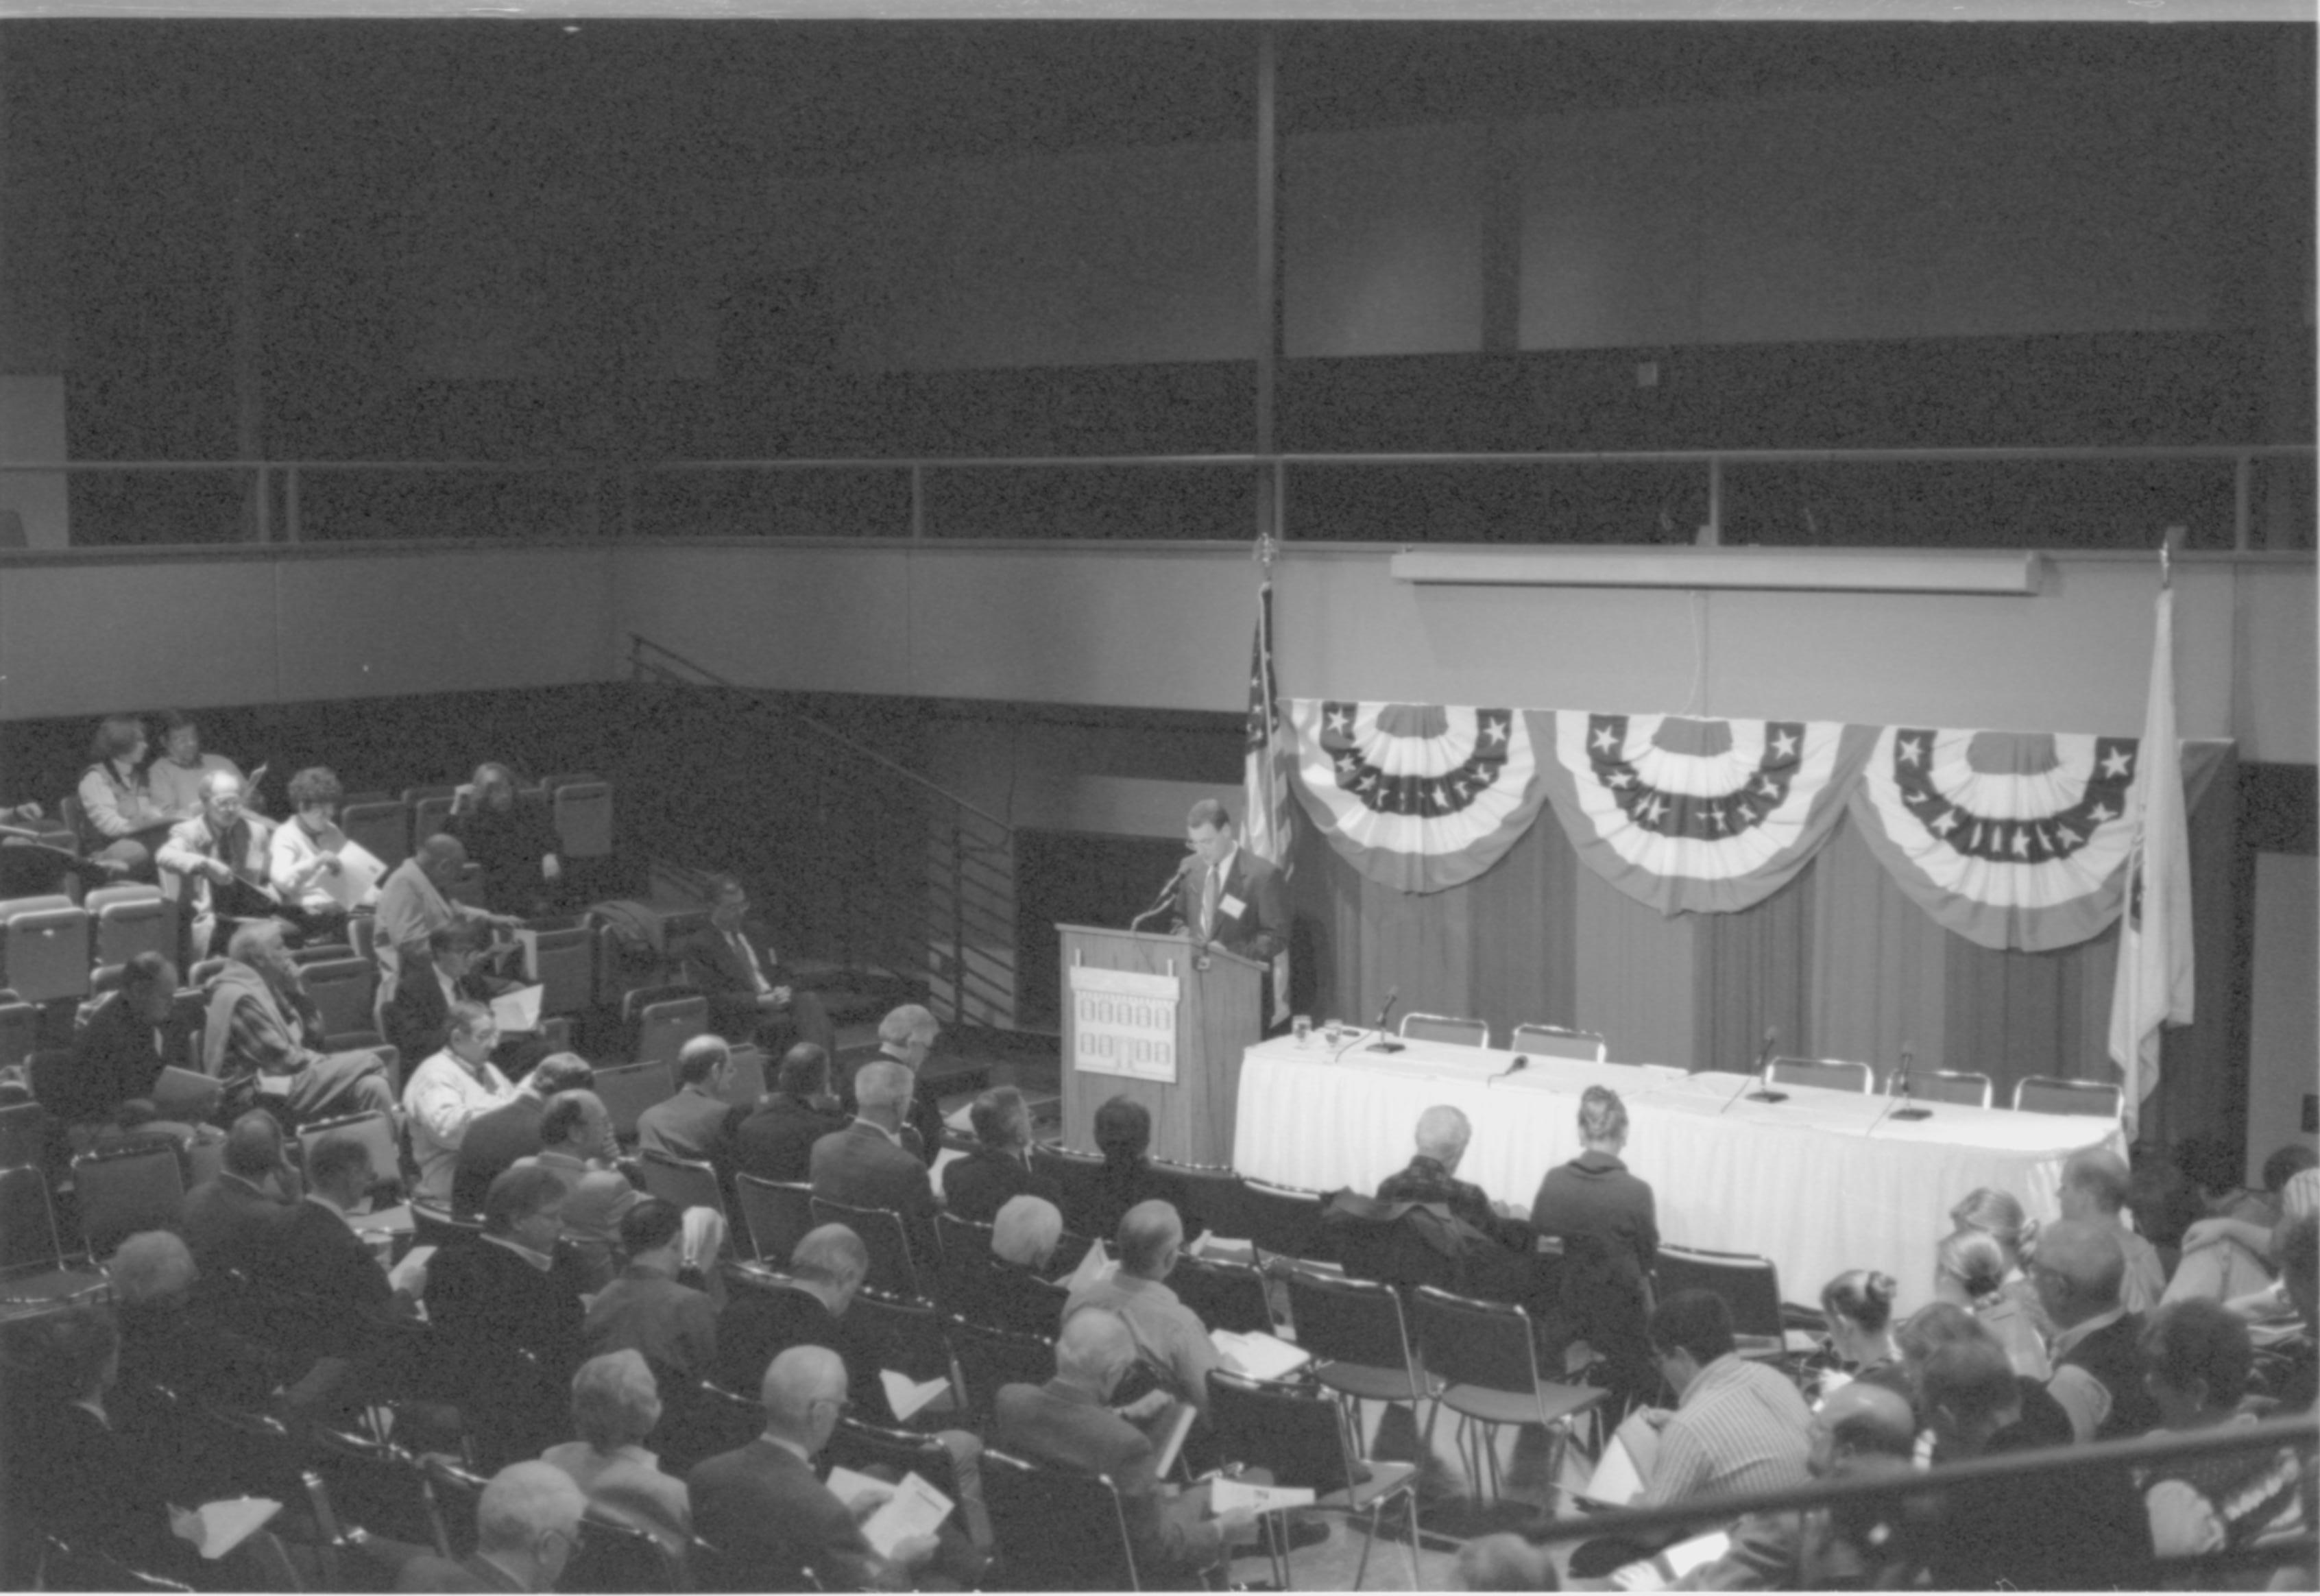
{"points": [[2094, 1184], [1861, 1418], [798, 1380], [2078, 1270], [1149, 1235], [253, 1147], [442, 858], [1094, 1350], [1443, 1133]]}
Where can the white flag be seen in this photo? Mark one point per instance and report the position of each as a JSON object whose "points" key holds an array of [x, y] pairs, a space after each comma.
{"points": [[2153, 986], [1265, 788]]}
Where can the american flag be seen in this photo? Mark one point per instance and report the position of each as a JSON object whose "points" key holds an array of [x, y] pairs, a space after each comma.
{"points": [[1265, 784]]}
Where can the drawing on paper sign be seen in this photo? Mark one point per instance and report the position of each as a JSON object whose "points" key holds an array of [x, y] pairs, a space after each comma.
{"points": [[1124, 1023]]}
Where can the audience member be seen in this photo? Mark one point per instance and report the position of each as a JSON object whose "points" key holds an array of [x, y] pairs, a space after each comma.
{"points": [[2097, 1377], [906, 1036], [576, 1147], [751, 997], [513, 840], [123, 827], [417, 1020], [2194, 1357], [497, 1138], [1013, 1290], [498, 1296], [414, 901], [697, 1123], [2225, 1249], [527, 1523], [262, 1034], [1858, 1304], [1069, 1422], [1501, 1246], [1970, 1270], [647, 1309], [615, 1404], [235, 1219], [1737, 1424], [303, 853], [866, 1164], [2042, 1423], [2082, 1531], [1997, 1215], [775, 1141], [1169, 1335], [2095, 1184], [771, 1520], [2294, 1379], [319, 1263], [826, 1272], [1608, 1224], [178, 773], [1123, 1135], [220, 847], [977, 1185], [169, 1343], [448, 1092], [119, 1049]]}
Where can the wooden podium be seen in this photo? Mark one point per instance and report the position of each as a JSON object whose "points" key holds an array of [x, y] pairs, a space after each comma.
{"points": [[1127, 1040]]}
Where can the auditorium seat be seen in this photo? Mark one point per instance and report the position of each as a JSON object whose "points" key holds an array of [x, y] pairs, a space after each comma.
{"points": [[45, 945], [583, 813], [343, 990], [130, 920], [380, 825], [431, 811]]}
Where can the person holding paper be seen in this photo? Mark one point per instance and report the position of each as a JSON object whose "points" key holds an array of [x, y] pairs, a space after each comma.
{"points": [[1069, 1422], [447, 1092], [308, 858], [416, 1020], [215, 865], [770, 1520], [1169, 1335], [527, 1522]]}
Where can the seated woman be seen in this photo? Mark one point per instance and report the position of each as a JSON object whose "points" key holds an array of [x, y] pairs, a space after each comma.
{"points": [[2041, 1422], [1859, 1303], [512, 840], [1997, 1215], [123, 826], [1123, 1135], [303, 853], [615, 1404], [1969, 1273]]}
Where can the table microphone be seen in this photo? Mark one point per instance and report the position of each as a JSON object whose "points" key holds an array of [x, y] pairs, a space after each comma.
{"points": [[1166, 892], [1522, 1062], [1384, 1043], [1764, 1092], [1908, 1109]]}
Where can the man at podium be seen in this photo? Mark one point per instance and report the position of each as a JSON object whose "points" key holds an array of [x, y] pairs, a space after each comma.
{"points": [[1227, 898]]}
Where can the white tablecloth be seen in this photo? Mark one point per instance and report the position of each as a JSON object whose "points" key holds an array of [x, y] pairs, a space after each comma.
{"points": [[1818, 1183]]}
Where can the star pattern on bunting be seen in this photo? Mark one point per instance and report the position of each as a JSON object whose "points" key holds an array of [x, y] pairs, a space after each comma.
{"points": [[1423, 796], [2013, 839], [1708, 817]]}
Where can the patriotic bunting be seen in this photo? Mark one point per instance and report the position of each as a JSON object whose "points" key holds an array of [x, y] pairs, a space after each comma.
{"points": [[1416, 796], [2010, 840], [1700, 816]]}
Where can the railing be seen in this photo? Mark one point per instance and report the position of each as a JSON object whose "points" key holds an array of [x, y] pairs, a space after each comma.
{"points": [[952, 934], [2240, 498]]}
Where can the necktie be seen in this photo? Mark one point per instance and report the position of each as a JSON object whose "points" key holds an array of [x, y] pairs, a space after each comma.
{"points": [[1209, 905]]}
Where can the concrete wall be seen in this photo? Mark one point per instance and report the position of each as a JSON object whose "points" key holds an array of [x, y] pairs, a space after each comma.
{"points": [[2284, 1004]]}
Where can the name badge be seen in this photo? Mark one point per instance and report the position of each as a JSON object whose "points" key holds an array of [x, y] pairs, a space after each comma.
{"points": [[1231, 905]]}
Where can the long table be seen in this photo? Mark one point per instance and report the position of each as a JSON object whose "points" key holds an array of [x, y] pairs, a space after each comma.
{"points": [[1822, 1183]]}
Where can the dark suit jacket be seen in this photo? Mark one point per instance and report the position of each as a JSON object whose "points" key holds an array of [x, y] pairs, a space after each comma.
{"points": [[1056, 1423], [923, 1122], [67, 1472], [1260, 928], [775, 1143], [858, 1166], [318, 1258], [770, 1520], [231, 1224], [691, 1124], [760, 1323], [431, 1574], [114, 1059], [978, 1186], [712, 965], [493, 1142], [487, 1303]]}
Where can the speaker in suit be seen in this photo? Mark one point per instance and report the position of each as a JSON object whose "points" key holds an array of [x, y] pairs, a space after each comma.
{"points": [[1230, 897]]}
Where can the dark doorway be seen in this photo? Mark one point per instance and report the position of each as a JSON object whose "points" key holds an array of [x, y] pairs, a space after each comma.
{"points": [[1088, 880]]}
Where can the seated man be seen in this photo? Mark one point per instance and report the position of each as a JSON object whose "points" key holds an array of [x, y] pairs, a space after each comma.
{"points": [[416, 1020], [978, 1186], [1168, 1335], [414, 901], [2097, 1374], [512, 840], [646, 1308], [1017, 1291], [750, 996], [235, 1220], [770, 1519], [122, 827], [907, 1036], [319, 1262], [498, 1136], [118, 1042], [214, 866], [1501, 1264], [2233, 1228], [447, 1092], [866, 1165], [177, 776], [2094, 1192], [1068, 1422], [576, 1145], [1737, 1426], [775, 1141], [2195, 1358], [826, 1270], [261, 1035], [527, 1522], [697, 1123]]}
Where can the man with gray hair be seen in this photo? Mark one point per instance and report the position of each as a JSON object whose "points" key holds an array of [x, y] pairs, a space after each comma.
{"points": [[220, 851], [697, 1123], [1169, 1335], [906, 1037], [615, 1405], [1068, 1421], [978, 1186], [527, 1522], [771, 1520], [2098, 1371], [868, 1164], [1432, 1177], [2094, 1192], [262, 1036]]}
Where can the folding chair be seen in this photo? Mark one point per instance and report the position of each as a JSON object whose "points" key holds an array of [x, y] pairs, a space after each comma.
{"points": [[1054, 1530], [1446, 1028], [376, 1489], [1359, 1336], [776, 1213], [685, 1182], [1828, 1074], [583, 813], [966, 1263], [1750, 1287], [1075, 1172], [1215, 1193], [130, 920], [662, 1019], [893, 1270], [32, 1272], [2046, 1095], [1228, 1296], [64, 1567], [1283, 1221], [45, 945], [121, 1189], [1485, 1359], [381, 826], [747, 1084], [1300, 1438], [1971, 1088], [863, 1448], [20, 1029], [452, 1493], [1539, 1040], [430, 810], [989, 1357], [629, 1090], [612, 1557], [23, 1134], [907, 1336]]}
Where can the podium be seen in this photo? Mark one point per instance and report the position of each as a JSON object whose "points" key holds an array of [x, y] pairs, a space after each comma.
{"points": [[1142, 1020]]}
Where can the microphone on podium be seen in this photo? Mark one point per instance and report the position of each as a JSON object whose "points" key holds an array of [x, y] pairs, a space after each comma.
{"points": [[1384, 1043], [1167, 892]]}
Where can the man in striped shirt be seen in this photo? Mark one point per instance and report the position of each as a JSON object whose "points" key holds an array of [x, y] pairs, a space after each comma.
{"points": [[1737, 1426]]}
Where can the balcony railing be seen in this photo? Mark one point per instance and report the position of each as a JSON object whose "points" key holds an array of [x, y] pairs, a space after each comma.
{"points": [[2225, 498]]}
